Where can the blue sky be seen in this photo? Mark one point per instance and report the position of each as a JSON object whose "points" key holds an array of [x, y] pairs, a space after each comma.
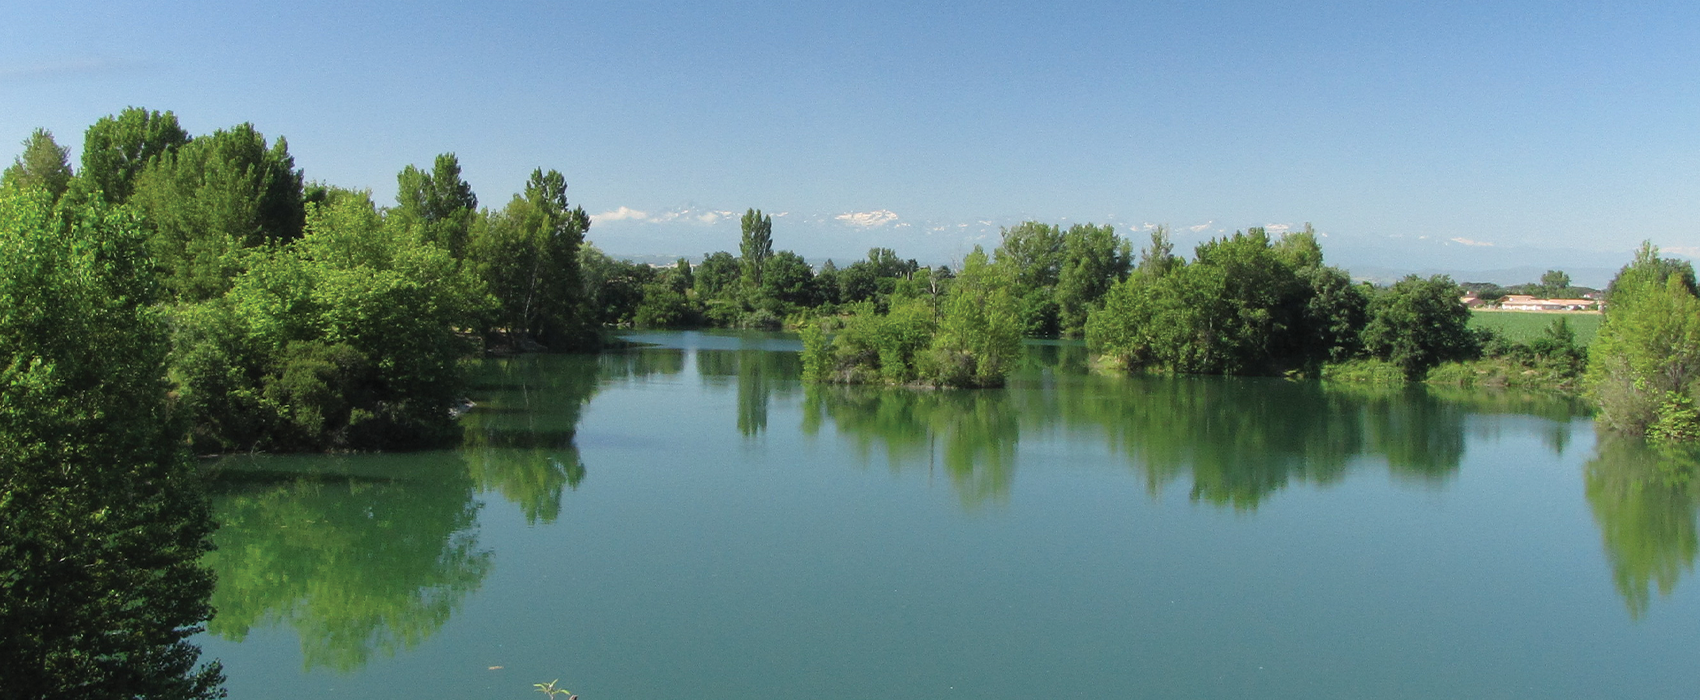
{"points": [[1455, 135]]}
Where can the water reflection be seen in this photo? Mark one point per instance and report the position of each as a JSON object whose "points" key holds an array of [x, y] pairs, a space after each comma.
{"points": [[519, 440], [1644, 500], [973, 433], [371, 554], [1236, 440], [360, 556], [759, 374]]}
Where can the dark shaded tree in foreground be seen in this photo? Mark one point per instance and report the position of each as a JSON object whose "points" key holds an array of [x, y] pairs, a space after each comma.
{"points": [[102, 524]]}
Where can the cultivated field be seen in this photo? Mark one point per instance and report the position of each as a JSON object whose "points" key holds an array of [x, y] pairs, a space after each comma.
{"points": [[1525, 326]]}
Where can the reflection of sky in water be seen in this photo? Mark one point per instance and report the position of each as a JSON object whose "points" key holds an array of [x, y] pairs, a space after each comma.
{"points": [[621, 441], [1076, 535], [717, 340]]}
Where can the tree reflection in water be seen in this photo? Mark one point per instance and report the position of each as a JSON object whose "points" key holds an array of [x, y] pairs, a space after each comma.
{"points": [[759, 374], [1644, 500], [372, 554], [358, 556], [519, 440], [973, 432], [1238, 440]]}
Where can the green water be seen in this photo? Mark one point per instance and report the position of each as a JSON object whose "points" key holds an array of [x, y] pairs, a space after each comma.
{"points": [[689, 521]]}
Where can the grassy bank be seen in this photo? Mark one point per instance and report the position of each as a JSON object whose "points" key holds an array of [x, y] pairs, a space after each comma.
{"points": [[1489, 372]]}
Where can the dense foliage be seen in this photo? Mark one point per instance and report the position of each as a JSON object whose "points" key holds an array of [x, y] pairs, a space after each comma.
{"points": [[305, 316], [1644, 365], [346, 339], [197, 292], [1244, 305], [968, 336], [101, 522], [1417, 324], [528, 256]]}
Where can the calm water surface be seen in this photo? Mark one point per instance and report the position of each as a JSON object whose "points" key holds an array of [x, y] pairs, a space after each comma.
{"points": [[689, 521]]}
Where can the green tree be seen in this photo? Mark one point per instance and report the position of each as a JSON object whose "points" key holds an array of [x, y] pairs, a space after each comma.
{"points": [[102, 523], [1335, 310], [528, 255], [874, 278], [663, 307], [116, 149], [979, 331], [858, 282], [1032, 253], [827, 282], [439, 202], [755, 247], [44, 164], [973, 338], [1554, 284], [1236, 309], [789, 280], [868, 347], [346, 339], [615, 291], [1158, 258], [1334, 315], [1093, 260], [885, 264], [211, 200], [1645, 360], [1417, 324], [716, 275], [682, 280]]}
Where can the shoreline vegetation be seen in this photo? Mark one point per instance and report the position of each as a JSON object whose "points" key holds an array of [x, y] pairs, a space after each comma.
{"points": [[184, 294]]}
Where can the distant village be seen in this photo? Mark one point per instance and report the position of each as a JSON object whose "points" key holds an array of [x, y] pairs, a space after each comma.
{"points": [[1552, 293]]}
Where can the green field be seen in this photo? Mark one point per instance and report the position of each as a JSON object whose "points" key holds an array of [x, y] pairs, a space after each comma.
{"points": [[1524, 326]]}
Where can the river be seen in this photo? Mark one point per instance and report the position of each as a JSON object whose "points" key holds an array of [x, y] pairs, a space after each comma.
{"points": [[687, 519]]}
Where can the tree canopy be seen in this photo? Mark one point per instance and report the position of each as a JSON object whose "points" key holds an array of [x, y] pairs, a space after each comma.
{"points": [[102, 524], [44, 164]]}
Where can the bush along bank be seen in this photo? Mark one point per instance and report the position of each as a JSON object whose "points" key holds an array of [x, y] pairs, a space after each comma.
{"points": [[967, 336]]}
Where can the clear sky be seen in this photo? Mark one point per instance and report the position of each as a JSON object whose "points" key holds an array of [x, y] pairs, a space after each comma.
{"points": [[1468, 135]]}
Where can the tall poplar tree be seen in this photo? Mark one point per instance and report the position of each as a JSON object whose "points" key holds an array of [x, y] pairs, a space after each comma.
{"points": [[756, 246]]}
